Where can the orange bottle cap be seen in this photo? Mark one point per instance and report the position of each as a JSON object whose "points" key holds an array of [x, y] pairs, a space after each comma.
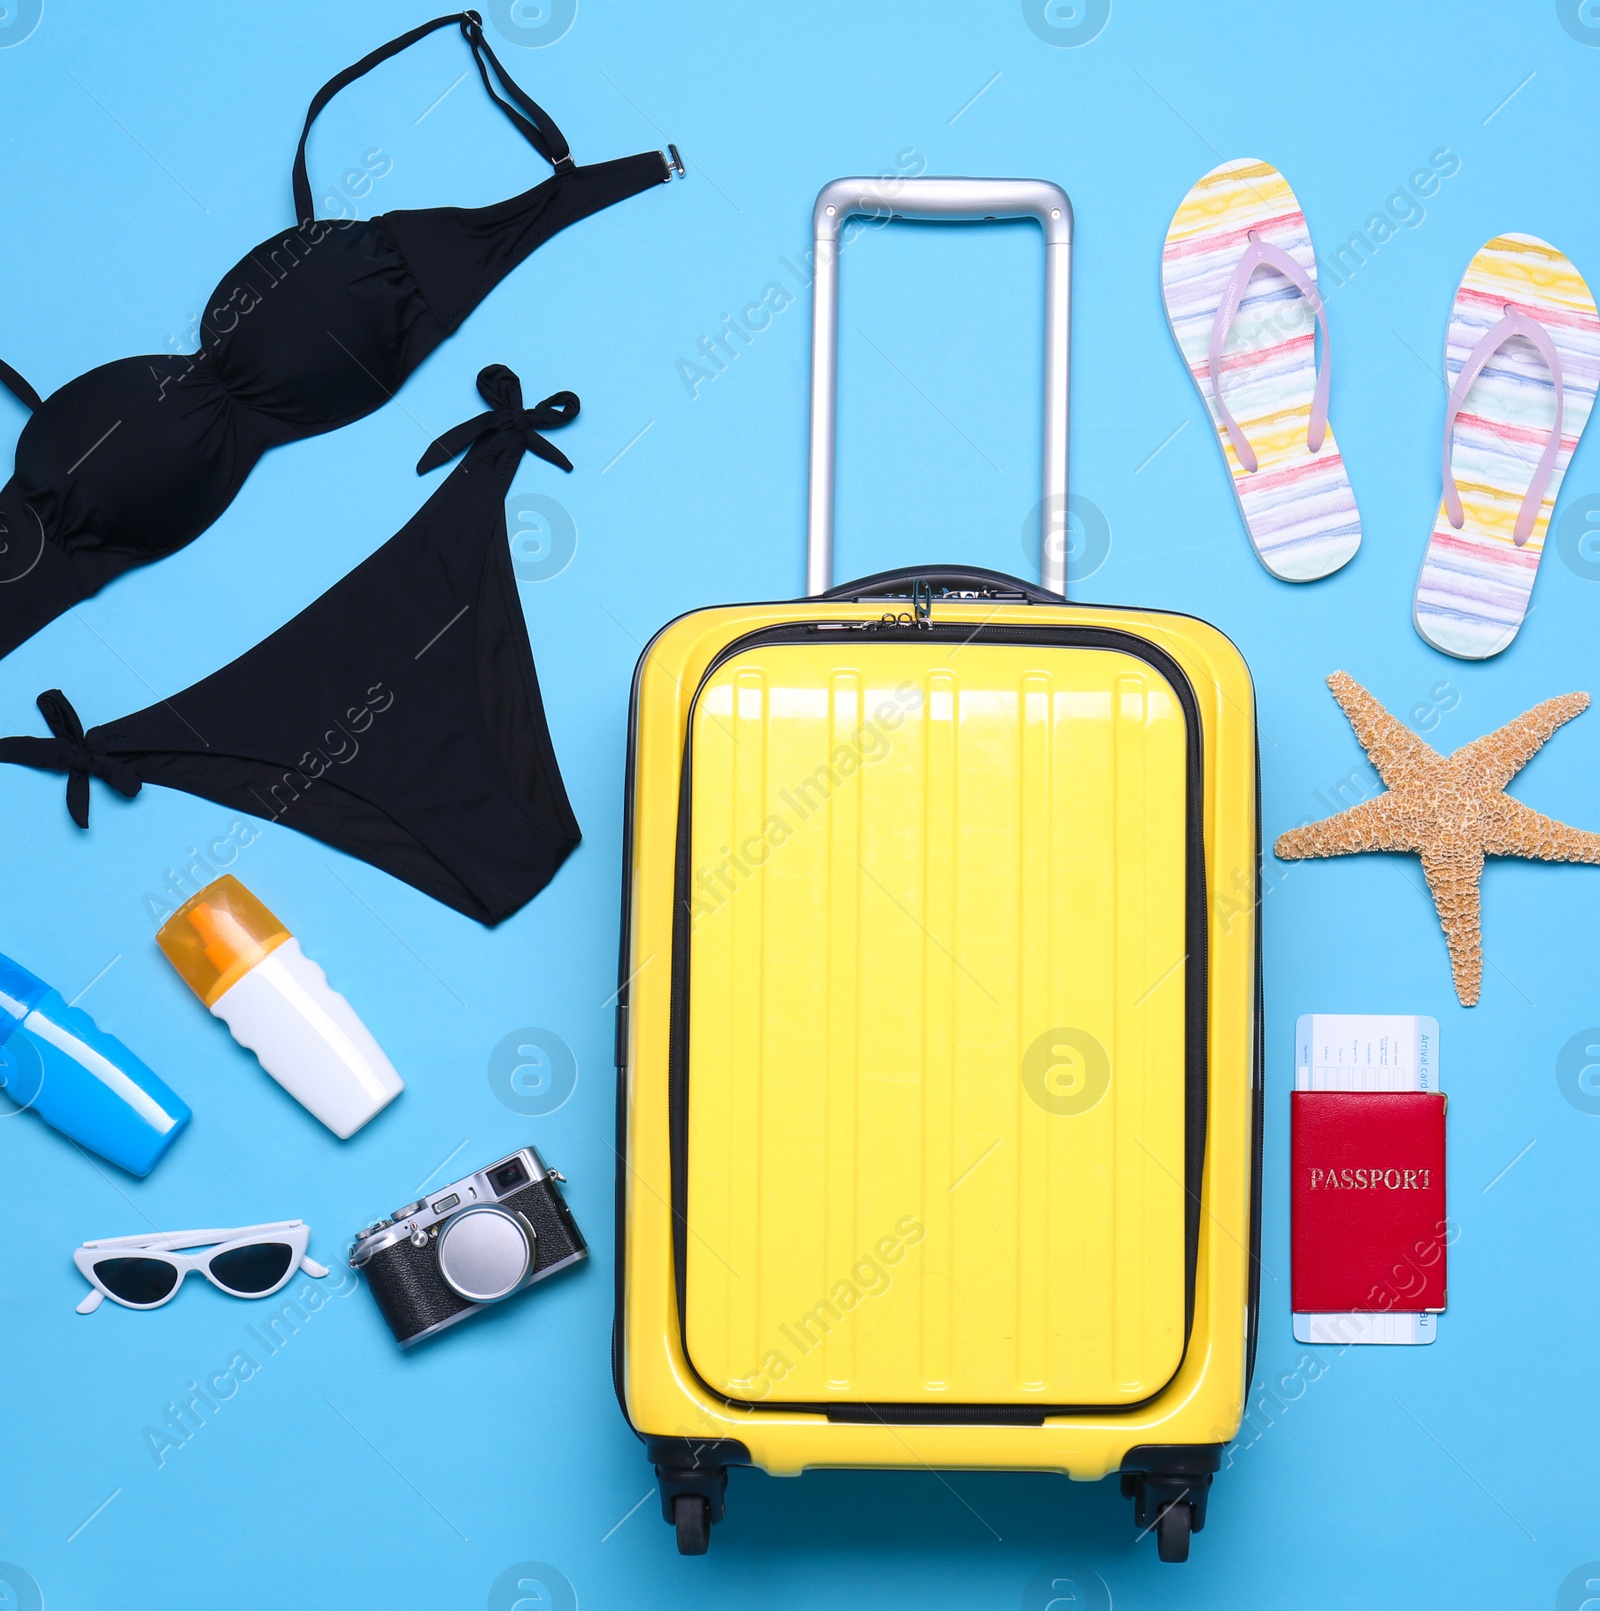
{"points": [[218, 936]]}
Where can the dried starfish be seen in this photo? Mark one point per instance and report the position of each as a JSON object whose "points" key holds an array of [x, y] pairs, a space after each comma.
{"points": [[1451, 810]]}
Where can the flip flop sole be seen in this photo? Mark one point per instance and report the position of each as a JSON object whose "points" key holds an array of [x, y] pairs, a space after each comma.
{"points": [[1298, 506], [1474, 587]]}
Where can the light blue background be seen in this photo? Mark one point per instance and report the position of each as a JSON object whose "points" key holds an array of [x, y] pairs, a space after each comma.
{"points": [[146, 149]]}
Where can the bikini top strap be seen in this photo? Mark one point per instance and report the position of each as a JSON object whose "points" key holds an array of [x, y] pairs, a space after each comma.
{"points": [[537, 126], [17, 386], [531, 119]]}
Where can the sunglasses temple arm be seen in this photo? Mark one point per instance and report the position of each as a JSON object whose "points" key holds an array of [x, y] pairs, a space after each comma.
{"points": [[312, 1268], [91, 1301], [170, 1240], [163, 1241]]}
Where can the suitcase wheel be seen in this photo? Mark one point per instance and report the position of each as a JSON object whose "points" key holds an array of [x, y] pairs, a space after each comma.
{"points": [[1172, 1531], [693, 1497], [691, 1517], [1171, 1503]]}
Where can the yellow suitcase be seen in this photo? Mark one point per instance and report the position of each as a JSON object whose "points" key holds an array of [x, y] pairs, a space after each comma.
{"points": [[939, 1019]]}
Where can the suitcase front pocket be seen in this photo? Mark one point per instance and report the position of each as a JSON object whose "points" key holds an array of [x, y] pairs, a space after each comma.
{"points": [[939, 978]]}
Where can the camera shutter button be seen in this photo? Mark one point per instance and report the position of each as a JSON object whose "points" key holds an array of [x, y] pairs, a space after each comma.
{"points": [[484, 1253]]}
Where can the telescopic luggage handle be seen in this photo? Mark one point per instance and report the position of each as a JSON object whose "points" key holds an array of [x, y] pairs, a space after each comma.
{"points": [[956, 200]]}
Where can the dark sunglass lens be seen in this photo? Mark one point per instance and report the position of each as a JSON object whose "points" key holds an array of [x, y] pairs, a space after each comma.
{"points": [[256, 1268], [137, 1280]]}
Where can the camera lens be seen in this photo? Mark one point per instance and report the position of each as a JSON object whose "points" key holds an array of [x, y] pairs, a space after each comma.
{"points": [[484, 1253]]}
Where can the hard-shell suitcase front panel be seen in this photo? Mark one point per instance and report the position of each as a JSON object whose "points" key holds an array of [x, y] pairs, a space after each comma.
{"points": [[935, 1074]]}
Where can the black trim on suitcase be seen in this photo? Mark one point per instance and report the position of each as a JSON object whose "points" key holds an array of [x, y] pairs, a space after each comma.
{"points": [[1258, 1102], [856, 1413], [1197, 987], [620, 1145]]}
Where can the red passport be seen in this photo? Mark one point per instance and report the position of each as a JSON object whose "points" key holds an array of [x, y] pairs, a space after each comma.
{"points": [[1368, 1201]]}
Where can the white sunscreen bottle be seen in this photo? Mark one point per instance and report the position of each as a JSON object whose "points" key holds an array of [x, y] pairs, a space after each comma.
{"points": [[250, 971]]}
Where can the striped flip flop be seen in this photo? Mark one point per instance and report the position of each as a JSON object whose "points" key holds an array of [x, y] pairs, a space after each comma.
{"points": [[1240, 283], [1521, 358]]}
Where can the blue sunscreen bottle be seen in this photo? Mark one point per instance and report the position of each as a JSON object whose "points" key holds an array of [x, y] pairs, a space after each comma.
{"points": [[57, 1061]]}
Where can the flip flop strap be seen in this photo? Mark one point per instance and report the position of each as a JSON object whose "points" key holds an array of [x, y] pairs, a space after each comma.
{"points": [[1513, 324], [1256, 254]]}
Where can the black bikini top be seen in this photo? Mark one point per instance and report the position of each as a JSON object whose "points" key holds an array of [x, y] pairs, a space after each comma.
{"points": [[316, 327]]}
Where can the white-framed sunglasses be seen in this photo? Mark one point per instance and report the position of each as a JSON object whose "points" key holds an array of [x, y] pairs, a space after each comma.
{"points": [[144, 1272]]}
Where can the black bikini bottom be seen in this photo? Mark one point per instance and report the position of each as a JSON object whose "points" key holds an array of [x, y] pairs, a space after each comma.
{"points": [[397, 718]]}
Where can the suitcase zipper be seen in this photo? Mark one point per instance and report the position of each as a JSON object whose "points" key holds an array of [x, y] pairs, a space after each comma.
{"points": [[1196, 1071]]}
